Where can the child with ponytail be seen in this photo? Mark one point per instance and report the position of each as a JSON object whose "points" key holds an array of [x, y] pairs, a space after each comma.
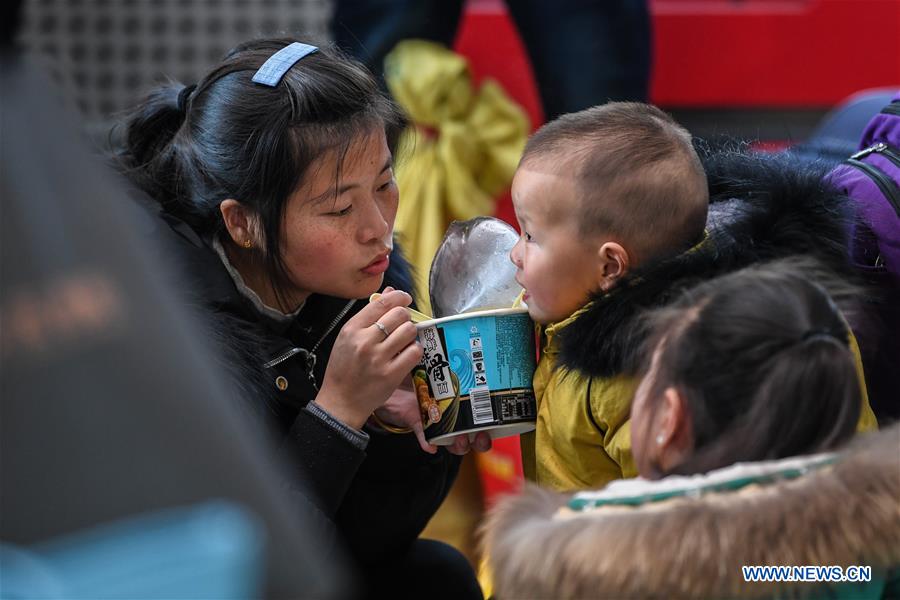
{"points": [[748, 397], [752, 366]]}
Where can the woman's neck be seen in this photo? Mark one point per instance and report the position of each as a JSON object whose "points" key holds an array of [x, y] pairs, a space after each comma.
{"points": [[251, 269]]}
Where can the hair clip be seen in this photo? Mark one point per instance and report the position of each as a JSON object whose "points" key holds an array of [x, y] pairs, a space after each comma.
{"points": [[183, 96], [271, 72]]}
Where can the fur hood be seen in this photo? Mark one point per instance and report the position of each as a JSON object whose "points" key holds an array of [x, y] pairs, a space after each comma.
{"points": [[762, 207], [693, 547]]}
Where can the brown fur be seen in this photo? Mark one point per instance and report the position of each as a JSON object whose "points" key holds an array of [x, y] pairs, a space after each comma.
{"points": [[848, 514]]}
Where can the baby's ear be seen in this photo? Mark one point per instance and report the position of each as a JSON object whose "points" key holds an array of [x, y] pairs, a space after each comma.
{"points": [[613, 263]]}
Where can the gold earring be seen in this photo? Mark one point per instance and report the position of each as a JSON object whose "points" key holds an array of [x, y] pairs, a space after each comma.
{"points": [[248, 244]]}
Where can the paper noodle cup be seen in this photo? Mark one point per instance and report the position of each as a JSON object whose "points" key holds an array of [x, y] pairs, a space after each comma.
{"points": [[476, 375]]}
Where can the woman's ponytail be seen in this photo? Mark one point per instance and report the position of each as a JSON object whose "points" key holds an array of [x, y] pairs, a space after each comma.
{"points": [[148, 154]]}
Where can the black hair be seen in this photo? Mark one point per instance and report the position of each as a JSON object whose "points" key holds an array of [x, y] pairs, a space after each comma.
{"points": [[762, 357], [227, 137]]}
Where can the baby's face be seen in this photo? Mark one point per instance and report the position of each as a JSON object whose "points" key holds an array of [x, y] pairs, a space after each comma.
{"points": [[555, 265]]}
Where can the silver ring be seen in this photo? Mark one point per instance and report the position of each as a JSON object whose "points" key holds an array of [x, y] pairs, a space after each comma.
{"points": [[382, 328]]}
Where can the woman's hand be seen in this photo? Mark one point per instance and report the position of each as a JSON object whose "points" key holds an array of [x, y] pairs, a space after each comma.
{"points": [[402, 410], [373, 353]]}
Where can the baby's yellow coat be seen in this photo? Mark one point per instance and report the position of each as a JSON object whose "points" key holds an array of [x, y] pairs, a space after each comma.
{"points": [[576, 447]]}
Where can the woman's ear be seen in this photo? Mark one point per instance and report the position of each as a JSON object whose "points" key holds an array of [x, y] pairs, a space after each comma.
{"points": [[240, 223], [673, 433], [613, 264]]}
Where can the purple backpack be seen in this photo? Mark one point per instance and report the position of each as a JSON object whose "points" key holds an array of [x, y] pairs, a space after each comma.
{"points": [[871, 178]]}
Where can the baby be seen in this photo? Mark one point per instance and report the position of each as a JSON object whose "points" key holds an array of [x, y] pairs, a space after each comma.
{"points": [[612, 204], [597, 194]]}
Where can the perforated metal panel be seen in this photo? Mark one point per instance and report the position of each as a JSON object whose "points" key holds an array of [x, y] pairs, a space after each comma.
{"points": [[106, 53]]}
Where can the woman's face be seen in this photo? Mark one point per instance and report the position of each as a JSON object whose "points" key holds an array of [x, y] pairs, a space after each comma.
{"points": [[337, 235]]}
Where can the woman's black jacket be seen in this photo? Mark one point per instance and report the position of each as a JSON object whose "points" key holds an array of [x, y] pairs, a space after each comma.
{"points": [[379, 498]]}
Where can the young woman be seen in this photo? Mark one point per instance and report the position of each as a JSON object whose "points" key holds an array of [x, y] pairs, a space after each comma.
{"points": [[274, 176]]}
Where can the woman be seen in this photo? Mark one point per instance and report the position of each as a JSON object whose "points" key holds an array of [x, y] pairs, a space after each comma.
{"points": [[752, 368], [274, 176]]}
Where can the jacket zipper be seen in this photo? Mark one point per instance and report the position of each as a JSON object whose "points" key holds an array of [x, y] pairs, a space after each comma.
{"points": [[880, 148], [334, 323], [311, 354], [887, 185], [283, 357]]}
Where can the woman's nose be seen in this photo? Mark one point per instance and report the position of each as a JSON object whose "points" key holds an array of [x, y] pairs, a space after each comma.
{"points": [[375, 225]]}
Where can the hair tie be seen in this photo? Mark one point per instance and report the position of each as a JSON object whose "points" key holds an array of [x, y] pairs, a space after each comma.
{"points": [[271, 72], [821, 334], [183, 96]]}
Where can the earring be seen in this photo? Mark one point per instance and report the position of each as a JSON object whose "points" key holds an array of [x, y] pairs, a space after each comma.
{"points": [[660, 439], [248, 244]]}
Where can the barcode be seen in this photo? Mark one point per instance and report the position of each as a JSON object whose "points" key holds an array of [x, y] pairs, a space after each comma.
{"points": [[482, 411]]}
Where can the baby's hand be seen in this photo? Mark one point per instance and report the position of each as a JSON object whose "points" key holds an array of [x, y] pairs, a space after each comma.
{"points": [[461, 444]]}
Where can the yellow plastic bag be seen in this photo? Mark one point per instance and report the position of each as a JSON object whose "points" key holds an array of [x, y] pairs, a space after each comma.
{"points": [[460, 154]]}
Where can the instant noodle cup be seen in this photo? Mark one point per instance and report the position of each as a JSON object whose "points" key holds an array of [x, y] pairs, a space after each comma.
{"points": [[476, 375]]}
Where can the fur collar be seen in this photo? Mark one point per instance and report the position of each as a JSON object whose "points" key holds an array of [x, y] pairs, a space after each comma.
{"points": [[689, 547], [762, 207]]}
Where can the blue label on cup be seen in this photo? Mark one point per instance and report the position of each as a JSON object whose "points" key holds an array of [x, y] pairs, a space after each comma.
{"points": [[476, 372]]}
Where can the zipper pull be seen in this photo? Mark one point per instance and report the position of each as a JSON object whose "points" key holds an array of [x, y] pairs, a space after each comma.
{"points": [[879, 147], [310, 369]]}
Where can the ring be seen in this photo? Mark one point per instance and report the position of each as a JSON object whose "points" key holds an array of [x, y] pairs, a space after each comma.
{"points": [[382, 328]]}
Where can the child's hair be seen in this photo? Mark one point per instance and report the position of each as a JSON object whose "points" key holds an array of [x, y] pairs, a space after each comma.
{"points": [[762, 358], [192, 147], [638, 174]]}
